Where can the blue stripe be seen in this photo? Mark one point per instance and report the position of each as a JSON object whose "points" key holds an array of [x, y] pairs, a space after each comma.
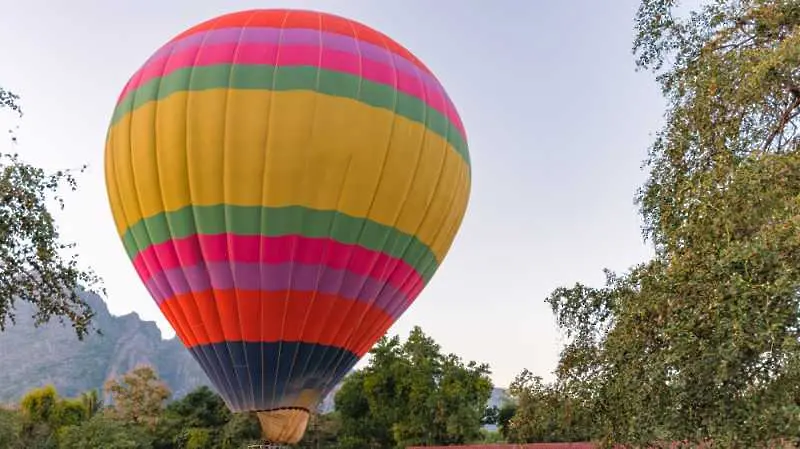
{"points": [[265, 376]]}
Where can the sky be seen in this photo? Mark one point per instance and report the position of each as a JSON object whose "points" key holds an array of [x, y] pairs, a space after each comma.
{"points": [[558, 122]]}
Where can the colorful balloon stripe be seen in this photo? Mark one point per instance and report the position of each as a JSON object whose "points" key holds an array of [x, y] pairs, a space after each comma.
{"points": [[289, 37], [312, 20], [286, 48], [283, 78], [279, 277], [383, 169], [293, 37], [250, 315], [198, 249], [268, 376], [269, 225], [350, 263]]}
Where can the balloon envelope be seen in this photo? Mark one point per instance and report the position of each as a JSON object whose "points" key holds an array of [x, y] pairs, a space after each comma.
{"points": [[285, 183]]}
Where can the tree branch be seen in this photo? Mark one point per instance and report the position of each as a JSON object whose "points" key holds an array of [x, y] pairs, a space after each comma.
{"points": [[786, 117]]}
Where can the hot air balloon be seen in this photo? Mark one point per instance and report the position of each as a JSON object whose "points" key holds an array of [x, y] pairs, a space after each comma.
{"points": [[285, 183]]}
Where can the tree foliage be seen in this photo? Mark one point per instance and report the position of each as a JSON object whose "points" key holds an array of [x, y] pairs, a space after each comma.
{"points": [[138, 419], [139, 396], [43, 412], [34, 264], [10, 428], [323, 432], [101, 431], [543, 413], [702, 341], [413, 394], [202, 420]]}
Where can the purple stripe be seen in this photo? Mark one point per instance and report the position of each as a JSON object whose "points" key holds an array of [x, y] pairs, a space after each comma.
{"points": [[300, 36], [277, 277]]}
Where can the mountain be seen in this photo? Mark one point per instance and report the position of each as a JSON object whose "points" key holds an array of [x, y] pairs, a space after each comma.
{"points": [[32, 357], [498, 398]]}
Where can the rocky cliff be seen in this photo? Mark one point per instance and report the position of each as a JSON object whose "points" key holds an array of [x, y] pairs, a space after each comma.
{"points": [[31, 357]]}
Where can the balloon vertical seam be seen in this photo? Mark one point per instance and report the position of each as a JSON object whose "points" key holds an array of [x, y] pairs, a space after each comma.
{"points": [[285, 304], [233, 393], [301, 333], [225, 150]]}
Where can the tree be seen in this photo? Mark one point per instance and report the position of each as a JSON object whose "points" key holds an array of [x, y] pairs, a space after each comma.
{"points": [[360, 427], [412, 394], [322, 432], [138, 397], [198, 438], [10, 428], [241, 430], [200, 408], [33, 263], [91, 403], [196, 420], [504, 416], [703, 341], [44, 413], [103, 432], [543, 413]]}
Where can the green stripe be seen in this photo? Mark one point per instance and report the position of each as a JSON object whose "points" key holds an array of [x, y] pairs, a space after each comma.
{"points": [[280, 221], [283, 78]]}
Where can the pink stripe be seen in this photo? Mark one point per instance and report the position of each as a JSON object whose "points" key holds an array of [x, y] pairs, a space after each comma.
{"points": [[198, 249], [297, 55]]}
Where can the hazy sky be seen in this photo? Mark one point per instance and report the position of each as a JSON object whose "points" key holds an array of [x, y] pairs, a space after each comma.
{"points": [[558, 124]]}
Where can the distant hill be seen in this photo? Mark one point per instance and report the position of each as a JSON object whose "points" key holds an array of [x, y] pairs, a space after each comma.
{"points": [[32, 357]]}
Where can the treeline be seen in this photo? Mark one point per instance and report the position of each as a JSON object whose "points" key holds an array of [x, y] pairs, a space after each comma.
{"points": [[410, 394], [139, 417]]}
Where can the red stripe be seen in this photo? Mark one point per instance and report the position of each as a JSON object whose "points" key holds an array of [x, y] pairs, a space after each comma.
{"points": [[240, 315], [284, 18], [198, 248]]}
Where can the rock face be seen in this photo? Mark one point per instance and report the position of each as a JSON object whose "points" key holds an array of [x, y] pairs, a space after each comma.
{"points": [[32, 357]]}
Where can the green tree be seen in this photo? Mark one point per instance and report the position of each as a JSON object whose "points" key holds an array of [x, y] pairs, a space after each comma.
{"points": [[103, 432], [138, 397], [34, 266], [10, 428], [43, 413], [322, 432], [703, 341], [492, 437], [412, 394], [241, 430], [504, 416], [200, 408], [491, 415], [198, 438], [544, 413], [360, 426], [91, 403], [195, 420]]}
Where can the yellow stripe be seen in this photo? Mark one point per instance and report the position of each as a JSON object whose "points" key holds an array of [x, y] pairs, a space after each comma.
{"points": [[331, 162]]}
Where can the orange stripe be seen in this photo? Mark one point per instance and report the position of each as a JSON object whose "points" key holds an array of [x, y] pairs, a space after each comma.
{"points": [[215, 316], [288, 18]]}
